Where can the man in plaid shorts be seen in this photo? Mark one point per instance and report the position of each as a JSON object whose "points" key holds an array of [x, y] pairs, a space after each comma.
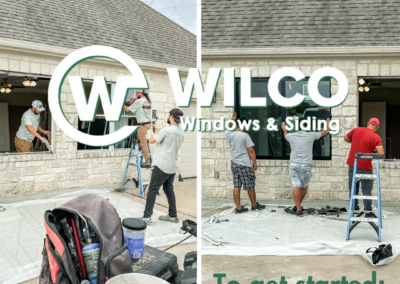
{"points": [[243, 165]]}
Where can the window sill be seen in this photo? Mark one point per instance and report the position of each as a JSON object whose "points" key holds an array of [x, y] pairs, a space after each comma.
{"points": [[101, 153], [28, 156]]}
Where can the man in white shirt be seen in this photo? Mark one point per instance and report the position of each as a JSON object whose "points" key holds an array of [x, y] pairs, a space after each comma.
{"points": [[29, 127], [301, 144]]}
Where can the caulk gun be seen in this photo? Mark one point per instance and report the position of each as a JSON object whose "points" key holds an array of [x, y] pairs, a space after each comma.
{"points": [[215, 220], [154, 122]]}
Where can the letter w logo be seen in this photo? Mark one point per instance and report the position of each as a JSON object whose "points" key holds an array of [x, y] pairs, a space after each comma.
{"points": [[112, 108]]}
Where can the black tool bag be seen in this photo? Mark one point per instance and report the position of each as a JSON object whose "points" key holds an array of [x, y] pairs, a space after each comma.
{"points": [[59, 266], [380, 253]]}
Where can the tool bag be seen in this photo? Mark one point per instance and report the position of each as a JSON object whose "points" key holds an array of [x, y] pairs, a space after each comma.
{"points": [[58, 266], [380, 253]]}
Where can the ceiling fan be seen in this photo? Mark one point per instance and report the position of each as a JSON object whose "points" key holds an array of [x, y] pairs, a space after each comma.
{"points": [[6, 87]]}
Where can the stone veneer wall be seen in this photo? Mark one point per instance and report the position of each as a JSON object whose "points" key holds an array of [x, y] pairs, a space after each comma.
{"points": [[329, 178], [68, 167]]}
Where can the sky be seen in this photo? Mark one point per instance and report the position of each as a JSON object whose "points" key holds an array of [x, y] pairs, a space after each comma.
{"points": [[182, 12]]}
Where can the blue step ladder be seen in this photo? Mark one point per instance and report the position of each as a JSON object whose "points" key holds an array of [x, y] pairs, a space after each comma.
{"points": [[355, 220], [142, 185]]}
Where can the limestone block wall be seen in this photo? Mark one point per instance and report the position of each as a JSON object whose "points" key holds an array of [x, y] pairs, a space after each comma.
{"points": [[67, 167], [329, 178]]}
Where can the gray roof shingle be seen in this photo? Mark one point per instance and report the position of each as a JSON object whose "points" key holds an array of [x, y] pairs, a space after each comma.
{"points": [[129, 25], [299, 23]]}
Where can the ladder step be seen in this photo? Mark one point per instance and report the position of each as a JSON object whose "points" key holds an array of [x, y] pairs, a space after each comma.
{"points": [[365, 197], [360, 219], [364, 176]]}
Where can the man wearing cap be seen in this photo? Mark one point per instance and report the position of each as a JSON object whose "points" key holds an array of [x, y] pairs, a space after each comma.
{"points": [[165, 163], [363, 140], [142, 108], [29, 127]]}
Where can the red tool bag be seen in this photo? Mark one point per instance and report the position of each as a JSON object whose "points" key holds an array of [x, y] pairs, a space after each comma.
{"points": [[64, 265]]}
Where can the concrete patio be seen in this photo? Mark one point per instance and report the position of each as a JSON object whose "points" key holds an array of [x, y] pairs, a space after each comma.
{"points": [[186, 202]]}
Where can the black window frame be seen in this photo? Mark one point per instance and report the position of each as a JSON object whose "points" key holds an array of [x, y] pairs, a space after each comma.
{"points": [[283, 116]]}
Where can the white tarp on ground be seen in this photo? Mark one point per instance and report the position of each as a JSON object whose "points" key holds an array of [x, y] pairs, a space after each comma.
{"points": [[22, 232], [286, 235]]}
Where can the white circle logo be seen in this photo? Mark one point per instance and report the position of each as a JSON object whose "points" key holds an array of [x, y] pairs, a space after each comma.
{"points": [[112, 109]]}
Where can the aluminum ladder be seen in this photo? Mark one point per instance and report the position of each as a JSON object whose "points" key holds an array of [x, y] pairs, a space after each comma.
{"points": [[355, 220], [139, 159]]}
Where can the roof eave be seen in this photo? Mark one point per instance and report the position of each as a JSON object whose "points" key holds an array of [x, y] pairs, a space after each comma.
{"points": [[48, 50], [361, 51]]}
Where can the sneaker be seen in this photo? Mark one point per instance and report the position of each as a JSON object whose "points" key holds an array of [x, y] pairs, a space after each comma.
{"points": [[168, 218], [258, 207], [299, 213], [147, 220], [146, 164], [241, 210]]}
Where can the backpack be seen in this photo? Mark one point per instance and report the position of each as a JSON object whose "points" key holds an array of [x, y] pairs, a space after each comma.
{"points": [[59, 265]]}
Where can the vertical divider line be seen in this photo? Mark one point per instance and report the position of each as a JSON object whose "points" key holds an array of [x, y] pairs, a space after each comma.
{"points": [[198, 160]]}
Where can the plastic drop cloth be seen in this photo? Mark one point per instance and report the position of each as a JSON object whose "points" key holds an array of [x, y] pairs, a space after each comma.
{"points": [[279, 233], [22, 232]]}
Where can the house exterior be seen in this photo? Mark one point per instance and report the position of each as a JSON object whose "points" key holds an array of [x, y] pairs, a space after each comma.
{"points": [[268, 35], [35, 37]]}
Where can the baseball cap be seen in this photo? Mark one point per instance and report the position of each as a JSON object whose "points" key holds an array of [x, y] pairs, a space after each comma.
{"points": [[38, 105], [145, 92], [176, 113], [374, 120]]}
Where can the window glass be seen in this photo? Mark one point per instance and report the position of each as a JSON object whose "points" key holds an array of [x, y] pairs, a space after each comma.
{"points": [[101, 127], [272, 144]]}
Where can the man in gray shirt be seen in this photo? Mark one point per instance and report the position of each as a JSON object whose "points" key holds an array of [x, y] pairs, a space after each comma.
{"points": [[243, 165], [29, 127], [301, 144], [165, 163], [142, 108]]}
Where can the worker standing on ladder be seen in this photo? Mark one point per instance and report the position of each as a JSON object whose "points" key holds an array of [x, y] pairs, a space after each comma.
{"points": [[165, 162], [363, 140], [141, 107]]}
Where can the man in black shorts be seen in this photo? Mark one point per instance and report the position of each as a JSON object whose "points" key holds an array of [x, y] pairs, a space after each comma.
{"points": [[243, 165]]}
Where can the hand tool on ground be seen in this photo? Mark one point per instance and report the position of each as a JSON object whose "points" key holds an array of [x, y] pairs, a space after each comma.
{"points": [[355, 220]]}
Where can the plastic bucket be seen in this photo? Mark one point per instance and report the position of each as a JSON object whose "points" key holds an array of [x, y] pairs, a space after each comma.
{"points": [[134, 235]]}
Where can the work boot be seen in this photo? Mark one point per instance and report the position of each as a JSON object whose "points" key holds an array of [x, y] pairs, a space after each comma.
{"points": [[147, 220], [299, 213], [258, 207], [146, 164], [295, 208], [241, 210], [169, 218]]}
